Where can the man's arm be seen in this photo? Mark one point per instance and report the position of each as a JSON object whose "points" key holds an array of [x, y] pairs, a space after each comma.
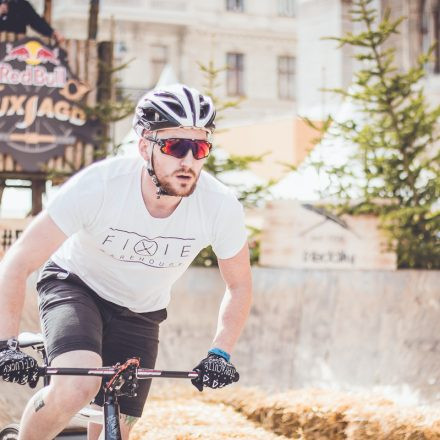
{"points": [[36, 22], [236, 303], [29, 252]]}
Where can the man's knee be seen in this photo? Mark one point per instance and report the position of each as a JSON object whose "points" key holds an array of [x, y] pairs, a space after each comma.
{"points": [[75, 391]]}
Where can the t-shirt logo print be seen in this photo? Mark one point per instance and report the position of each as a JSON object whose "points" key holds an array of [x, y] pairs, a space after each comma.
{"points": [[146, 248], [159, 252]]}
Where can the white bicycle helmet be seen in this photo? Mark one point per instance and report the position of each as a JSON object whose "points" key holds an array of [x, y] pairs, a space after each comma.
{"points": [[176, 105]]}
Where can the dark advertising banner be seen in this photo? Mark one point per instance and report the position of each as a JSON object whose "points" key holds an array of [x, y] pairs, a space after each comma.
{"points": [[41, 110]]}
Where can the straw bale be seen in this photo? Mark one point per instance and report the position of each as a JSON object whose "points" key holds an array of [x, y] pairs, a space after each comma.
{"points": [[184, 416], [301, 414], [180, 412]]}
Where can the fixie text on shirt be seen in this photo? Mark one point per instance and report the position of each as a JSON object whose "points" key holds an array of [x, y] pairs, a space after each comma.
{"points": [[157, 252]]}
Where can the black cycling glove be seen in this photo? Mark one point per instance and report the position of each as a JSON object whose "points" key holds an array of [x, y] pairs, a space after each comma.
{"points": [[214, 372], [18, 367]]}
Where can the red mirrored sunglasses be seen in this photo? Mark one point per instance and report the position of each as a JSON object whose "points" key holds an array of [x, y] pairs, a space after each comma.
{"points": [[179, 147]]}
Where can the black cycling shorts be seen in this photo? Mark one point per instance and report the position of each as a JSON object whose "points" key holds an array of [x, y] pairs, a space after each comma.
{"points": [[74, 317]]}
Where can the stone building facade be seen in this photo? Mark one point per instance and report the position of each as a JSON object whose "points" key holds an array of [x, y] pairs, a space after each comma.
{"points": [[256, 39], [322, 65], [418, 32]]}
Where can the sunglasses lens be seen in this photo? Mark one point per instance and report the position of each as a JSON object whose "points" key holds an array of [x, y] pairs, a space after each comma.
{"points": [[175, 148], [203, 149], [179, 148]]}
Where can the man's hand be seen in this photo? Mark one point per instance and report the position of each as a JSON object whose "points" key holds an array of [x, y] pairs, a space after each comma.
{"points": [[214, 372], [18, 367], [4, 8], [59, 37]]}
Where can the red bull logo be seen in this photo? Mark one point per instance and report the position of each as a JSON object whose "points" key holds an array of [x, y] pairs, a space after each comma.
{"points": [[35, 71], [33, 53], [41, 104], [33, 76]]}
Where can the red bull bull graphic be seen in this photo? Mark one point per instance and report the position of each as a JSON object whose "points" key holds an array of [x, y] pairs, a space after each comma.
{"points": [[41, 103], [33, 53]]}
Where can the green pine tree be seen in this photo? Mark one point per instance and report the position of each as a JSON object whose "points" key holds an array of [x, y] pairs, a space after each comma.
{"points": [[396, 138]]}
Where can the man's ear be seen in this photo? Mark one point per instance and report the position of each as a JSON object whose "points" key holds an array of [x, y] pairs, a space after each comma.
{"points": [[143, 148]]}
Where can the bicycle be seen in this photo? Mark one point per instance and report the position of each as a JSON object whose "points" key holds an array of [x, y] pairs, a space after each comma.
{"points": [[122, 381]]}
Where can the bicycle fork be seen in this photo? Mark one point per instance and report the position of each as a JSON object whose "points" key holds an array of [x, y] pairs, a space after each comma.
{"points": [[111, 417]]}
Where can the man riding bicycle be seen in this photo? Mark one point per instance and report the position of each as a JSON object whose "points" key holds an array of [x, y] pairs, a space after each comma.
{"points": [[115, 238]]}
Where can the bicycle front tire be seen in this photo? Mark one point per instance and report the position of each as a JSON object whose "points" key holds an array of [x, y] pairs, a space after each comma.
{"points": [[9, 432]]}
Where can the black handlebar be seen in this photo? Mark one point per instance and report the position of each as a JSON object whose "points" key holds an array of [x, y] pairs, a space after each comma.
{"points": [[141, 373]]}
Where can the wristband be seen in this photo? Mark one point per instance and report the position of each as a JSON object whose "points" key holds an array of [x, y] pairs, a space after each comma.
{"points": [[220, 352]]}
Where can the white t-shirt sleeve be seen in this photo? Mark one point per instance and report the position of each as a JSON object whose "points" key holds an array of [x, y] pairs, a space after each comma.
{"points": [[77, 203], [229, 234]]}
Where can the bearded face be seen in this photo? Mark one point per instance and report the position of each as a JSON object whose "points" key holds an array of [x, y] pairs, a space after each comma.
{"points": [[177, 176], [181, 182]]}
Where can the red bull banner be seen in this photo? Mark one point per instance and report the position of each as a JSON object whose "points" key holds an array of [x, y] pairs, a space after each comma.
{"points": [[41, 103]]}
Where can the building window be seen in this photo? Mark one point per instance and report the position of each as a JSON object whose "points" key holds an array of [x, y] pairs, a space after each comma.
{"points": [[235, 5], [159, 59], [286, 8], [286, 77], [235, 72]]}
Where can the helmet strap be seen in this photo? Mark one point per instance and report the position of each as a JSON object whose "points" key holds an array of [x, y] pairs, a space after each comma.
{"points": [[159, 190], [150, 169]]}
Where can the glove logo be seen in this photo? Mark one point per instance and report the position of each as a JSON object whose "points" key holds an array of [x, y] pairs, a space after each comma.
{"points": [[18, 367], [214, 372]]}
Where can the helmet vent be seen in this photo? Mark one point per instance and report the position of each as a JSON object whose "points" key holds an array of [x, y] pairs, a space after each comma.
{"points": [[165, 95], [151, 115], [204, 108], [176, 108]]}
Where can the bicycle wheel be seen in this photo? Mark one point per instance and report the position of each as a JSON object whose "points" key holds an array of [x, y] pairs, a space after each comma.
{"points": [[9, 432]]}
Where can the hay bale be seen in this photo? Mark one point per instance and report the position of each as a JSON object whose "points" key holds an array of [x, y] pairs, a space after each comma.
{"points": [[181, 414], [311, 414]]}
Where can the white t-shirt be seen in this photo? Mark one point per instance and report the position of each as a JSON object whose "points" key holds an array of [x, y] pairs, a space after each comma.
{"points": [[123, 253]]}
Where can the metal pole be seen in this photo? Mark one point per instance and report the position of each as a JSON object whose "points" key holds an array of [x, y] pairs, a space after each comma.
{"points": [[93, 19], [47, 14], [38, 187]]}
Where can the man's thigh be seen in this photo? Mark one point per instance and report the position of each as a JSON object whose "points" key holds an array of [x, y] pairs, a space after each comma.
{"points": [[69, 314], [130, 335]]}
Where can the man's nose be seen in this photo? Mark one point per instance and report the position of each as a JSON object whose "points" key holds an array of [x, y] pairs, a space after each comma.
{"points": [[188, 160]]}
